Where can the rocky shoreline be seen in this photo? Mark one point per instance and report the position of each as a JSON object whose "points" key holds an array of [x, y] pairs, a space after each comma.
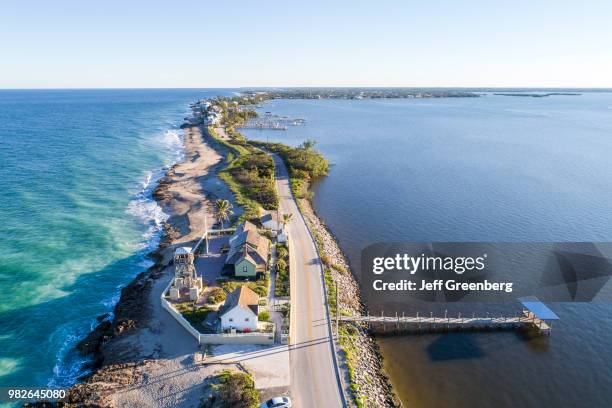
{"points": [[372, 385], [116, 345], [107, 370], [131, 344]]}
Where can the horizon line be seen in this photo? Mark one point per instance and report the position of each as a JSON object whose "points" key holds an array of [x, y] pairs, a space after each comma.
{"points": [[307, 87]]}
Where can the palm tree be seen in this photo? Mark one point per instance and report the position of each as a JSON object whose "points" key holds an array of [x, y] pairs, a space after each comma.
{"points": [[286, 218], [224, 210], [306, 146]]}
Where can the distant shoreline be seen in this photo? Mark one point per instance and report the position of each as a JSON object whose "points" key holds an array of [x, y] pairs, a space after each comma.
{"points": [[538, 95]]}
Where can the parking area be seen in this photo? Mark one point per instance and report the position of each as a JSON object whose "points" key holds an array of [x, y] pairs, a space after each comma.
{"points": [[269, 365], [209, 266]]}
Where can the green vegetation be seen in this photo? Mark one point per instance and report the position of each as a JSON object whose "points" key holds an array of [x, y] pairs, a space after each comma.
{"points": [[224, 210], [264, 316], [254, 173], [235, 147], [285, 310], [304, 164], [346, 336], [282, 271], [236, 109], [232, 389], [325, 259], [286, 218], [331, 291], [339, 268], [259, 286], [249, 172], [281, 251], [346, 339], [217, 295], [195, 315]]}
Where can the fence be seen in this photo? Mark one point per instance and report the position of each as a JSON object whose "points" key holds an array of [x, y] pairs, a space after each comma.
{"points": [[216, 338], [238, 338]]}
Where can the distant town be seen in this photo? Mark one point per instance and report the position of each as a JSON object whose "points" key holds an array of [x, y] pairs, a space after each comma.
{"points": [[359, 93]]}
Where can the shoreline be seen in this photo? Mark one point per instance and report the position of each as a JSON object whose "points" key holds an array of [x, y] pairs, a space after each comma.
{"points": [[140, 342], [134, 344]]}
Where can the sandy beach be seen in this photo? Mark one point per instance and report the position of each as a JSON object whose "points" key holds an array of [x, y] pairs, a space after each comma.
{"points": [[144, 345]]}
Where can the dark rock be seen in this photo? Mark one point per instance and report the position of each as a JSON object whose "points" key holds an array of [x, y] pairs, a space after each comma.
{"points": [[94, 340], [105, 316]]}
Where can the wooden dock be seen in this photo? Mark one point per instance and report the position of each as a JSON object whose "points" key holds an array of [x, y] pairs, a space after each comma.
{"points": [[534, 314], [442, 323]]}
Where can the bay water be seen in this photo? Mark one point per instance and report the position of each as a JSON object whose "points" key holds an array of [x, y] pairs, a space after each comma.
{"points": [[497, 169]]}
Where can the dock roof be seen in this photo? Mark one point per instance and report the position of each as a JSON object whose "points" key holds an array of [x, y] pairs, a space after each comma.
{"points": [[539, 309], [182, 251]]}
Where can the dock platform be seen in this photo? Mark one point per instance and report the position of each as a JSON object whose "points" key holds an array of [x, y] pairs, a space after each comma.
{"points": [[534, 314]]}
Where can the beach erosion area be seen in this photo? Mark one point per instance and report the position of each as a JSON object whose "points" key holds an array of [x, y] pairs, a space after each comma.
{"points": [[143, 357]]}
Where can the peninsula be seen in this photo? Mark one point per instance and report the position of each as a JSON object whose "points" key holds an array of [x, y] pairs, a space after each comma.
{"points": [[225, 178]]}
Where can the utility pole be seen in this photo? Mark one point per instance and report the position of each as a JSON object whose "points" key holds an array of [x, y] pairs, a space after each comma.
{"points": [[337, 311], [206, 232]]}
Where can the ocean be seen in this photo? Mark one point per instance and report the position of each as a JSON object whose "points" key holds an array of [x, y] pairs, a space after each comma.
{"points": [[77, 219], [495, 168]]}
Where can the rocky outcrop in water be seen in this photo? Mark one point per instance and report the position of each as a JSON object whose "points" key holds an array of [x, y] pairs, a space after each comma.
{"points": [[130, 313]]}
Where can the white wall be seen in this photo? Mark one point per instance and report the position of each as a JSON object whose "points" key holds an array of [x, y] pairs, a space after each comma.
{"points": [[178, 317], [239, 318], [220, 338], [242, 338]]}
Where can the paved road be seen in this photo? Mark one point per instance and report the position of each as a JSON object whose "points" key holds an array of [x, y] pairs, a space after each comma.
{"points": [[313, 376]]}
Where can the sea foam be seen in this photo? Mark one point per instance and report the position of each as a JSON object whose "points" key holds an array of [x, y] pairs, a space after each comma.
{"points": [[144, 208]]}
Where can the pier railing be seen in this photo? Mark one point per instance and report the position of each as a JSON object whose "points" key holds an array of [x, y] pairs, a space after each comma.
{"points": [[460, 322]]}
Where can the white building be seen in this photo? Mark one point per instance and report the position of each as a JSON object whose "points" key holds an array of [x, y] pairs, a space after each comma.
{"points": [[270, 221], [214, 118], [240, 311]]}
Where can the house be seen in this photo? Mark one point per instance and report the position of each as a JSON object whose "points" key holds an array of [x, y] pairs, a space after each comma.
{"points": [[244, 227], [270, 221], [186, 284], [240, 310], [248, 253], [212, 117]]}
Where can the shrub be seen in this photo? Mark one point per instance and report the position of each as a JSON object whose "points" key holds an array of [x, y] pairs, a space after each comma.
{"points": [[217, 295], [194, 315], [339, 268], [331, 291], [233, 389], [282, 252], [260, 286], [260, 290], [304, 162], [325, 259], [264, 316], [229, 286], [282, 271]]}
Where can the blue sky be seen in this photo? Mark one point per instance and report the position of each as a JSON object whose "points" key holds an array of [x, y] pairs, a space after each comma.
{"points": [[66, 44]]}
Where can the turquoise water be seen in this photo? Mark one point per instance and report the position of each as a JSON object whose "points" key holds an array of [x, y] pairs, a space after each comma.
{"points": [[474, 169], [76, 217]]}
